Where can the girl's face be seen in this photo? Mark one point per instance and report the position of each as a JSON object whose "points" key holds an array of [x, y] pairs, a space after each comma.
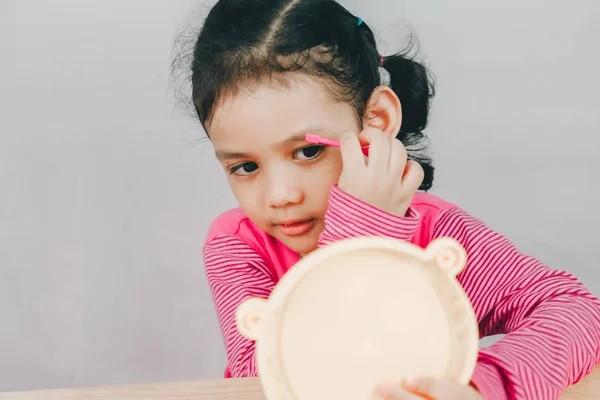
{"points": [[281, 181]]}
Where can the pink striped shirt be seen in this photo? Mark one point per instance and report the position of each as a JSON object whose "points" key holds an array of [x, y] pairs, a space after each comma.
{"points": [[551, 321]]}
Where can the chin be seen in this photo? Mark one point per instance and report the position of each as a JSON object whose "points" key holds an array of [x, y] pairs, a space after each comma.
{"points": [[303, 245]]}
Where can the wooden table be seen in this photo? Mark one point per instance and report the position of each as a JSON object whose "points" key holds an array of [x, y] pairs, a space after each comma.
{"points": [[225, 389]]}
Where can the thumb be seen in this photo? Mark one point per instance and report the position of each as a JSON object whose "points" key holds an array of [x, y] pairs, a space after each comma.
{"points": [[347, 138], [432, 388]]}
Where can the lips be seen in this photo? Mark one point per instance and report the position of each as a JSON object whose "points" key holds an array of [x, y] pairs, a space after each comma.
{"points": [[296, 228]]}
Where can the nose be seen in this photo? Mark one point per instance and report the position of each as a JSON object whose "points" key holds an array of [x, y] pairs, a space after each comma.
{"points": [[283, 190]]}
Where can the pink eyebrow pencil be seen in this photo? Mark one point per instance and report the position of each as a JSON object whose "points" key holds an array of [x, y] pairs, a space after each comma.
{"points": [[328, 142]]}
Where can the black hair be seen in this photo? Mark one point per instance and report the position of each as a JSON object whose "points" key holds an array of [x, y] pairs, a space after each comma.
{"points": [[244, 40]]}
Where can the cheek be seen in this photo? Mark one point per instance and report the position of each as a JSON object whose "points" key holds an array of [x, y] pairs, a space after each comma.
{"points": [[316, 180], [246, 193], [250, 197], [322, 178], [330, 170]]}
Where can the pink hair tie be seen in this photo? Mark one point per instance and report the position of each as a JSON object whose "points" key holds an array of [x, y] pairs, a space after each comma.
{"points": [[381, 60]]}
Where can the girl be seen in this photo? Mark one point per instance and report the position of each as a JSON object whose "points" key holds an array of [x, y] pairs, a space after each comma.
{"points": [[265, 73]]}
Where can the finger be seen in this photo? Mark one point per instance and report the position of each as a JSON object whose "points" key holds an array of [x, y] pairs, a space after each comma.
{"points": [[413, 176], [394, 391], [352, 157], [379, 149], [398, 157], [431, 388]]}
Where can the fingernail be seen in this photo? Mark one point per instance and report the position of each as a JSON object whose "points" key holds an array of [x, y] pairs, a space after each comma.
{"points": [[411, 382], [383, 389], [387, 389]]}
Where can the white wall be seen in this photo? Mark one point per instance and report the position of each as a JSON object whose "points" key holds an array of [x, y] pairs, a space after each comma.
{"points": [[104, 204]]}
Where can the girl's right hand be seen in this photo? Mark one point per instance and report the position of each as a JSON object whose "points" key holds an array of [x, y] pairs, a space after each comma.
{"points": [[386, 179]]}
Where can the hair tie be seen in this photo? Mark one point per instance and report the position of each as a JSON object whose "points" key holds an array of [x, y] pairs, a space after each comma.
{"points": [[360, 21], [381, 61]]}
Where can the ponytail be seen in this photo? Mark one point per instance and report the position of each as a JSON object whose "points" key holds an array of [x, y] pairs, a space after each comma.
{"points": [[414, 87]]}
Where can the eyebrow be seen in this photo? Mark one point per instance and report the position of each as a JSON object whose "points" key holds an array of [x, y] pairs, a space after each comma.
{"points": [[227, 155], [298, 137]]}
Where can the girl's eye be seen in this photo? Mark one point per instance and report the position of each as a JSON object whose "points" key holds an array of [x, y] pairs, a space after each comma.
{"points": [[309, 153], [244, 169]]}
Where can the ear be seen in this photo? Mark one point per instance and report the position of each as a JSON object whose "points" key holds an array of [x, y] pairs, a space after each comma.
{"points": [[448, 254], [384, 111], [249, 317]]}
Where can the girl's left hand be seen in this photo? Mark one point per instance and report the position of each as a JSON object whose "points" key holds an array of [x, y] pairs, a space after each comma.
{"points": [[424, 388]]}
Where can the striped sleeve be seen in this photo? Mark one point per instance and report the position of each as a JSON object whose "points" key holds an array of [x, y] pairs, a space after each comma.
{"points": [[348, 217], [235, 273], [551, 321]]}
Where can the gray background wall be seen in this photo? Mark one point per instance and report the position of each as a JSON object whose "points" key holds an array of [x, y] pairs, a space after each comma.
{"points": [[104, 203]]}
